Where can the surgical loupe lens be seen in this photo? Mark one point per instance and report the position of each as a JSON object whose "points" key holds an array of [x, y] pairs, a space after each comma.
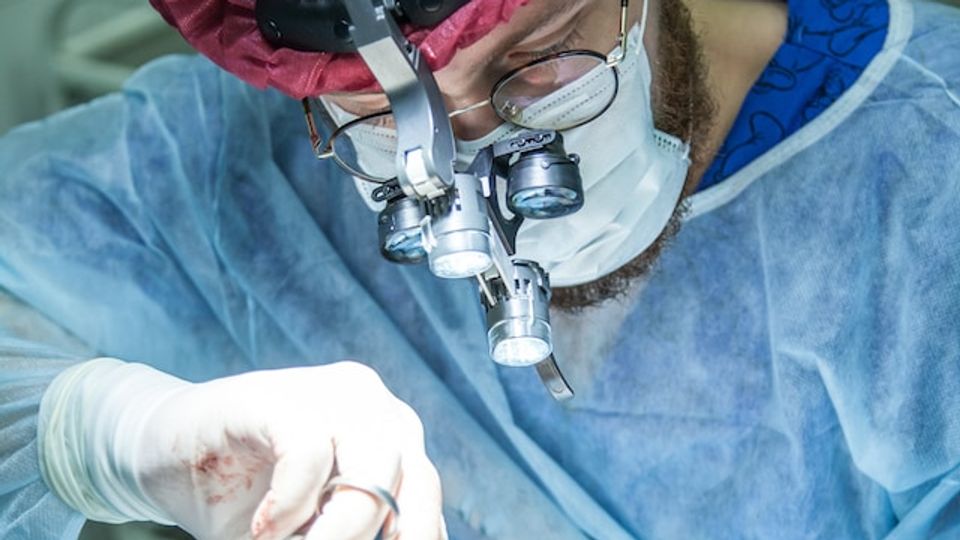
{"points": [[399, 230], [460, 264], [546, 202], [405, 246], [545, 183], [558, 92], [367, 148]]}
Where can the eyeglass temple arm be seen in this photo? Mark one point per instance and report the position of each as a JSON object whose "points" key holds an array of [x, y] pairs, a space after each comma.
{"points": [[425, 149], [321, 150], [621, 53], [457, 112], [324, 150]]}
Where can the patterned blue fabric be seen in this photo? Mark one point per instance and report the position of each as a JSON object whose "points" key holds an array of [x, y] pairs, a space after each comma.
{"points": [[791, 371], [827, 46]]}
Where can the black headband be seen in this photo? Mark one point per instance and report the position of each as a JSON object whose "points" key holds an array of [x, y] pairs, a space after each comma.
{"points": [[324, 26]]}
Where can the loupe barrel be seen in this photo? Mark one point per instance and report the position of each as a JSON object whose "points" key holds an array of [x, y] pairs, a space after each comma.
{"points": [[545, 183], [458, 239], [518, 323]]}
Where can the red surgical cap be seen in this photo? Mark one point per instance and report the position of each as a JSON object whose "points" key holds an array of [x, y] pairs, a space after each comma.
{"points": [[226, 32]]}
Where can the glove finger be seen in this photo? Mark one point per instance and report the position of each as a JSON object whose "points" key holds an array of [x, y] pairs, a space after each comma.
{"points": [[420, 500], [303, 465], [354, 514]]}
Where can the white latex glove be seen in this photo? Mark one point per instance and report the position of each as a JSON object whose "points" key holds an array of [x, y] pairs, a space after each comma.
{"points": [[240, 456]]}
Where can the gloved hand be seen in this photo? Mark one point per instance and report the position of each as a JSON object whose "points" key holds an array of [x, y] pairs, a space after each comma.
{"points": [[238, 456]]}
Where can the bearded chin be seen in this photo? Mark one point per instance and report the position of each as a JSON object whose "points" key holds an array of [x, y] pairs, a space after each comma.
{"points": [[682, 107]]}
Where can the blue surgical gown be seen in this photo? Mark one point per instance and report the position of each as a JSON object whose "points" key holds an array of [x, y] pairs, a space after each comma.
{"points": [[791, 370]]}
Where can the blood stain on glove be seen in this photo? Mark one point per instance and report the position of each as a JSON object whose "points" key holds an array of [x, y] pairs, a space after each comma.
{"points": [[221, 476]]}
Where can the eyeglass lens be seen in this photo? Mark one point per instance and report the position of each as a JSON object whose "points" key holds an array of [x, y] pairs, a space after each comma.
{"points": [[557, 92]]}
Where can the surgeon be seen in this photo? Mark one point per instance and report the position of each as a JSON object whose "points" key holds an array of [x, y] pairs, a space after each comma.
{"points": [[758, 305]]}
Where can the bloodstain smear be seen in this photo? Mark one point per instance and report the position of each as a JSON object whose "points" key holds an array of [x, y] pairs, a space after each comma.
{"points": [[222, 476], [209, 463]]}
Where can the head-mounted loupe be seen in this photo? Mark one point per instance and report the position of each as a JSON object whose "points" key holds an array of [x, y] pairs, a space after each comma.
{"points": [[451, 218]]}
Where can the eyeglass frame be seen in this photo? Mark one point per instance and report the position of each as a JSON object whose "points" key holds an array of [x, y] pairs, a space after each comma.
{"points": [[612, 61]]}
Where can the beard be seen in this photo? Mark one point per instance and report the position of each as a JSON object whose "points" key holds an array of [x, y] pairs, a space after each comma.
{"points": [[683, 107]]}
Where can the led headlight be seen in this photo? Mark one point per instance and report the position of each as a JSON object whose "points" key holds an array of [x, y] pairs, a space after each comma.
{"points": [[518, 324], [399, 231], [460, 264], [457, 239]]}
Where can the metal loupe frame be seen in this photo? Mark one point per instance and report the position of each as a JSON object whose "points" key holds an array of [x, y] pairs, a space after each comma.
{"points": [[491, 162], [425, 143]]}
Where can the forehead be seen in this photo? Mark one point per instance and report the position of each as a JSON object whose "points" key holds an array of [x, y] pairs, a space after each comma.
{"points": [[533, 26], [538, 18]]}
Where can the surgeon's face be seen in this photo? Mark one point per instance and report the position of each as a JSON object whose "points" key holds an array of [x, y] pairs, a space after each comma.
{"points": [[681, 102]]}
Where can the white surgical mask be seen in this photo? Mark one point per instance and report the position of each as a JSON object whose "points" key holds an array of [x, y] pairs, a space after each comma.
{"points": [[633, 176]]}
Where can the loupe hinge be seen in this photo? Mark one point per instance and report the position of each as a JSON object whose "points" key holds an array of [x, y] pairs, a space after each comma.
{"points": [[553, 379], [387, 191]]}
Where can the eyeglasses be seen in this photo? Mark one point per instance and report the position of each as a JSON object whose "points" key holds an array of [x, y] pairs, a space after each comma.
{"points": [[557, 92]]}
